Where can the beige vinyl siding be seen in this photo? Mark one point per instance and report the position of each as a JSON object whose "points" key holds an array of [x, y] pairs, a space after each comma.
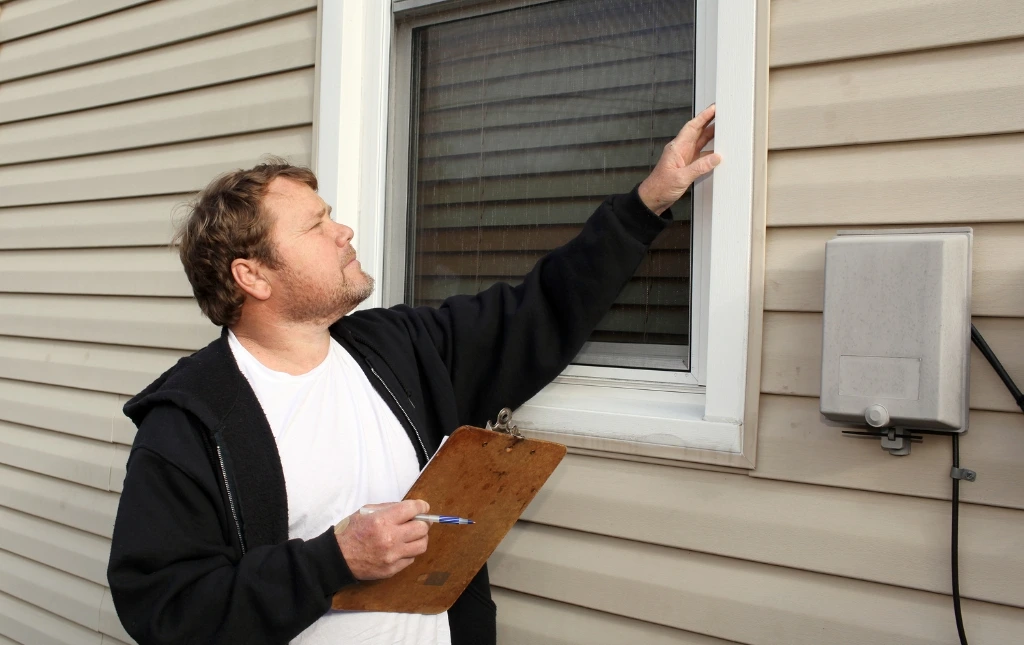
{"points": [[880, 114], [111, 114], [529, 619], [112, 111]]}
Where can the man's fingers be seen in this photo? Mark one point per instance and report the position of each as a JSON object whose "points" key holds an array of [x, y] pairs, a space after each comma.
{"points": [[706, 137], [694, 128], [705, 163], [412, 531], [402, 512], [419, 547]]}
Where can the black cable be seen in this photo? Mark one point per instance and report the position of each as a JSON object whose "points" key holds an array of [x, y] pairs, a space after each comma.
{"points": [[954, 546], [954, 539], [987, 352]]}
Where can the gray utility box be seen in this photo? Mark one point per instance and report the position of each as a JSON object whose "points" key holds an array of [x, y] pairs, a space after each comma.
{"points": [[897, 329]]}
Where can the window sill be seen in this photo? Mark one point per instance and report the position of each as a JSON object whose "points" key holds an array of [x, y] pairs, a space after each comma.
{"points": [[622, 420]]}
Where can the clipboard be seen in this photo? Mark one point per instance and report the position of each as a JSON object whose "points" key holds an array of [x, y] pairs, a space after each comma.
{"points": [[489, 476]]}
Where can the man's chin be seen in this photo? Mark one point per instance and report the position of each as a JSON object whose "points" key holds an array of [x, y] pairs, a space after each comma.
{"points": [[365, 290], [358, 293]]}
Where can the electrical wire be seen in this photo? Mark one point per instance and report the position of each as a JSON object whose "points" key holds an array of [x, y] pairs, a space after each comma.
{"points": [[954, 539], [954, 545], [990, 356]]}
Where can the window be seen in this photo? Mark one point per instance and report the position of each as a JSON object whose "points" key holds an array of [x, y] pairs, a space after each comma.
{"points": [[500, 128], [522, 121]]}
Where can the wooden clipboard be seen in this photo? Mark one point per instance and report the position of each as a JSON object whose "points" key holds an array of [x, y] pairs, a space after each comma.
{"points": [[484, 475]]}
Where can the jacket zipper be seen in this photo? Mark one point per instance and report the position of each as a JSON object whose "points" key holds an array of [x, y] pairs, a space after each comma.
{"points": [[399, 404], [231, 498]]}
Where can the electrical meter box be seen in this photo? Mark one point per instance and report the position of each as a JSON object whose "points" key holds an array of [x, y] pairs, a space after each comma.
{"points": [[897, 329]]}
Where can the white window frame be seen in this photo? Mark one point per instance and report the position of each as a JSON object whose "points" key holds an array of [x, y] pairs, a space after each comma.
{"points": [[591, 411]]}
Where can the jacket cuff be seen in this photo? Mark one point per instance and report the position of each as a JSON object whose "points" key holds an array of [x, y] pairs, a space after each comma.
{"points": [[334, 571], [638, 220]]}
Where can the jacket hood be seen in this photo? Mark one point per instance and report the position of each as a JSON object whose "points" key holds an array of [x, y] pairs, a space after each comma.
{"points": [[201, 383]]}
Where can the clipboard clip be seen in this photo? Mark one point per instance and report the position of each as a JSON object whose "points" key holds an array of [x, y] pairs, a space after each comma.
{"points": [[505, 424]]}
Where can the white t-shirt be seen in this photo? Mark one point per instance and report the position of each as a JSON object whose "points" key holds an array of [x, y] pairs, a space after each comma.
{"points": [[341, 447]]}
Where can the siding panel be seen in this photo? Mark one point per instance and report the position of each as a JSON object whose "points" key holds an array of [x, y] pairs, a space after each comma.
{"points": [[58, 455], [144, 221], [147, 27], [265, 103], [977, 179], [103, 368], [941, 93], [54, 544], [811, 32], [831, 531], [26, 17], [60, 593], [527, 619], [795, 269], [795, 445], [117, 271], [147, 322], [791, 362], [71, 411], [74, 505], [169, 169], [267, 48], [28, 624], [731, 599]]}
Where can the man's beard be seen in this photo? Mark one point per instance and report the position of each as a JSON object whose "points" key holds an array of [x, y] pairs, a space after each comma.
{"points": [[324, 303]]}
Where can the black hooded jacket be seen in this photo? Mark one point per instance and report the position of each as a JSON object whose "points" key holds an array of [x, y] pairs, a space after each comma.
{"points": [[200, 550]]}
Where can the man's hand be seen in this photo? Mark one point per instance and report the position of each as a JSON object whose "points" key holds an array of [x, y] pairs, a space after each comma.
{"points": [[681, 163], [381, 544]]}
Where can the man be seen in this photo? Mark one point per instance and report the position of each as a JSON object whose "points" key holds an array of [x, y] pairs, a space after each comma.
{"points": [[239, 517]]}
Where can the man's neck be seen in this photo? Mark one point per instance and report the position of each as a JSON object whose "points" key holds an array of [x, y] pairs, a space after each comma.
{"points": [[293, 348]]}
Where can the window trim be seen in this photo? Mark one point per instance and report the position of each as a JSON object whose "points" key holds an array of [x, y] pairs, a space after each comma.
{"points": [[358, 51]]}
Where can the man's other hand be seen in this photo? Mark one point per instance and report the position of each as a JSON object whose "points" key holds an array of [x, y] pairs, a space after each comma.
{"points": [[681, 163], [381, 544]]}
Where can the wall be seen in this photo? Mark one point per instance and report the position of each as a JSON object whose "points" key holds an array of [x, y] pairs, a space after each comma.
{"points": [[110, 112], [880, 113]]}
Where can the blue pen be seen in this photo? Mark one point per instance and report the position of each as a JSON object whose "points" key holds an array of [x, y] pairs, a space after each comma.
{"points": [[429, 519], [443, 519]]}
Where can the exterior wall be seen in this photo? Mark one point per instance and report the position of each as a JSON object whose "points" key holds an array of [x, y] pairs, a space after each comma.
{"points": [[110, 112], [880, 113]]}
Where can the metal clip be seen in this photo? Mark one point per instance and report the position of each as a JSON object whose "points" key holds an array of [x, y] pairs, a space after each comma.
{"points": [[963, 473], [505, 424]]}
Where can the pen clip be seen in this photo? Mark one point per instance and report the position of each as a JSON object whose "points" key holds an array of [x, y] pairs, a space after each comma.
{"points": [[505, 425]]}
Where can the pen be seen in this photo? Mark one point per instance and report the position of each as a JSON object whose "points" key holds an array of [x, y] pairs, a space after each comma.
{"points": [[443, 519], [430, 519]]}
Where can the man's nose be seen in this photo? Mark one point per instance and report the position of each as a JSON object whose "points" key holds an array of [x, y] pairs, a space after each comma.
{"points": [[344, 235]]}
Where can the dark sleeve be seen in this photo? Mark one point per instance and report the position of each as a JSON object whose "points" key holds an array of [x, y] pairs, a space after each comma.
{"points": [[174, 575], [506, 343]]}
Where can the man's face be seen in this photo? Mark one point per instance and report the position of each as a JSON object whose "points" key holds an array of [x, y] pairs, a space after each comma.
{"points": [[319, 279]]}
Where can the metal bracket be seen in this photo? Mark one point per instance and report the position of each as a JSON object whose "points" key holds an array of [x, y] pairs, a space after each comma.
{"points": [[504, 424], [963, 473], [895, 440]]}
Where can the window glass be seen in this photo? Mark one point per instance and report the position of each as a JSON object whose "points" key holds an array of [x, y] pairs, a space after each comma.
{"points": [[523, 121]]}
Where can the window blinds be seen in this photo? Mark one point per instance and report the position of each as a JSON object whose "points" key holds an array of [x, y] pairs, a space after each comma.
{"points": [[523, 121]]}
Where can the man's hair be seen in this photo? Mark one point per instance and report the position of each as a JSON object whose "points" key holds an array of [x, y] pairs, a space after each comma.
{"points": [[226, 221]]}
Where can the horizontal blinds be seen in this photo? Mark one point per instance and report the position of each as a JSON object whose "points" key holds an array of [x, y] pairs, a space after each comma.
{"points": [[524, 121]]}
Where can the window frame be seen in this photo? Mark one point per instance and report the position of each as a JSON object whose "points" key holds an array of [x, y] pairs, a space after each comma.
{"points": [[361, 45]]}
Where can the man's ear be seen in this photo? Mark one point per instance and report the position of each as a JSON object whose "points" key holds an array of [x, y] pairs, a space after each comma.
{"points": [[251, 277]]}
